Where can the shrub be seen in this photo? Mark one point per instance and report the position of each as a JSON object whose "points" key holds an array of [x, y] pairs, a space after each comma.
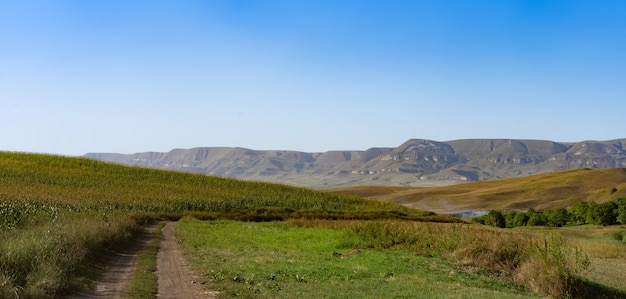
{"points": [[578, 212], [547, 266], [556, 217], [509, 219], [603, 214], [520, 219], [536, 219], [621, 210], [495, 219], [553, 268]]}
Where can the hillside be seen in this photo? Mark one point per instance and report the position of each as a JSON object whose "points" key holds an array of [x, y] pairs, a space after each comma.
{"points": [[60, 216], [80, 184], [544, 191], [416, 162], [61, 219]]}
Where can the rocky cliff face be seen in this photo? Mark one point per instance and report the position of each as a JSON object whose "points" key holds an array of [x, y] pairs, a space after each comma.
{"points": [[416, 162]]}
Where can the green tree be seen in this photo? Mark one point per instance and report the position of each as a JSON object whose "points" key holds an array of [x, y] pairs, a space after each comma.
{"points": [[621, 210], [592, 211], [509, 217], [520, 219], [578, 213], [536, 219], [556, 217], [495, 219], [602, 214]]}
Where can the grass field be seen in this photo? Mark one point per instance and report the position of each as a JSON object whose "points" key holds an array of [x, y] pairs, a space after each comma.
{"points": [[60, 216], [57, 213], [607, 255], [279, 260], [543, 191]]}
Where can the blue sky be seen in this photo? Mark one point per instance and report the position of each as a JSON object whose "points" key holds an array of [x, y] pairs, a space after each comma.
{"points": [[133, 76]]}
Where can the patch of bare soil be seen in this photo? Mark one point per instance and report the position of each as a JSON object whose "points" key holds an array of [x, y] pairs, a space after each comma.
{"points": [[175, 280], [115, 280]]}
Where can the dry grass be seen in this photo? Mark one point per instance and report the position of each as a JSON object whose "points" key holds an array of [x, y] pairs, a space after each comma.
{"points": [[607, 256], [546, 265], [608, 271], [544, 191]]}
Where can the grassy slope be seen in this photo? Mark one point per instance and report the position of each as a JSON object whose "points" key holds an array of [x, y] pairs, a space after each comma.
{"points": [[91, 185], [545, 191], [56, 212], [68, 208]]}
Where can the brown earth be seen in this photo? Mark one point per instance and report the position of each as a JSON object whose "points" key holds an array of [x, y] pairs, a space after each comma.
{"points": [[114, 281], [174, 279]]}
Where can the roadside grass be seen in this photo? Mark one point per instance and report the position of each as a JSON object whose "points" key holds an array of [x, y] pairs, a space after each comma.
{"points": [[607, 255], [301, 259], [143, 283], [41, 260]]}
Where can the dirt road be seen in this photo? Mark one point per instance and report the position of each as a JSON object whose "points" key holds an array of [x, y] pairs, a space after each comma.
{"points": [[174, 279], [114, 281]]}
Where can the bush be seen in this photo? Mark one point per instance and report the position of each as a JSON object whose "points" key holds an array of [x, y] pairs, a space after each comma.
{"points": [[509, 219], [520, 219], [556, 217], [621, 210], [536, 219], [495, 219], [578, 213], [617, 236], [553, 268], [603, 214], [547, 266]]}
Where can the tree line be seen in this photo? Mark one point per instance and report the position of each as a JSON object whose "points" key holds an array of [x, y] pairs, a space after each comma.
{"points": [[608, 213]]}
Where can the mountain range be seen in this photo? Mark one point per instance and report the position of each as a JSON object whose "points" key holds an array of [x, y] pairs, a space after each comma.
{"points": [[416, 162]]}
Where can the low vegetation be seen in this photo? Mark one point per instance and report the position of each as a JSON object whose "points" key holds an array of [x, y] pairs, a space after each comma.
{"points": [[608, 213], [143, 283], [60, 213], [376, 259], [331, 259], [57, 213], [540, 192]]}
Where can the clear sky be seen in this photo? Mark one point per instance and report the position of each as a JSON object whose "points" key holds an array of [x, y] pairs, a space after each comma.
{"points": [[131, 76]]}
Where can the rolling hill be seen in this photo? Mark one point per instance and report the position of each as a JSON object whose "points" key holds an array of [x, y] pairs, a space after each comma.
{"points": [[543, 191], [416, 162]]}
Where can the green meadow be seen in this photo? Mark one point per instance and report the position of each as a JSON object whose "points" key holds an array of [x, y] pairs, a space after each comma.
{"points": [[287, 260], [61, 218]]}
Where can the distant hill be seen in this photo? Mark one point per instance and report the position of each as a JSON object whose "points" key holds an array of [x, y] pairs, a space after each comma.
{"points": [[417, 162], [543, 191]]}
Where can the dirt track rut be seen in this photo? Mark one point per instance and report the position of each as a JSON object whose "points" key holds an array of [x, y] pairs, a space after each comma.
{"points": [[114, 281], [174, 279]]}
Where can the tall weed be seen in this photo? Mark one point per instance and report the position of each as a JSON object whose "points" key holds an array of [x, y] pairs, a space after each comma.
{"points": [[553, 268], [40, 261], [547, 266]]}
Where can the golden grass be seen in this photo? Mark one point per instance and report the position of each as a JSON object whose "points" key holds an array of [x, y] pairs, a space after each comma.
{"points": [[608, 271], [607, 256], [544, 191]]}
